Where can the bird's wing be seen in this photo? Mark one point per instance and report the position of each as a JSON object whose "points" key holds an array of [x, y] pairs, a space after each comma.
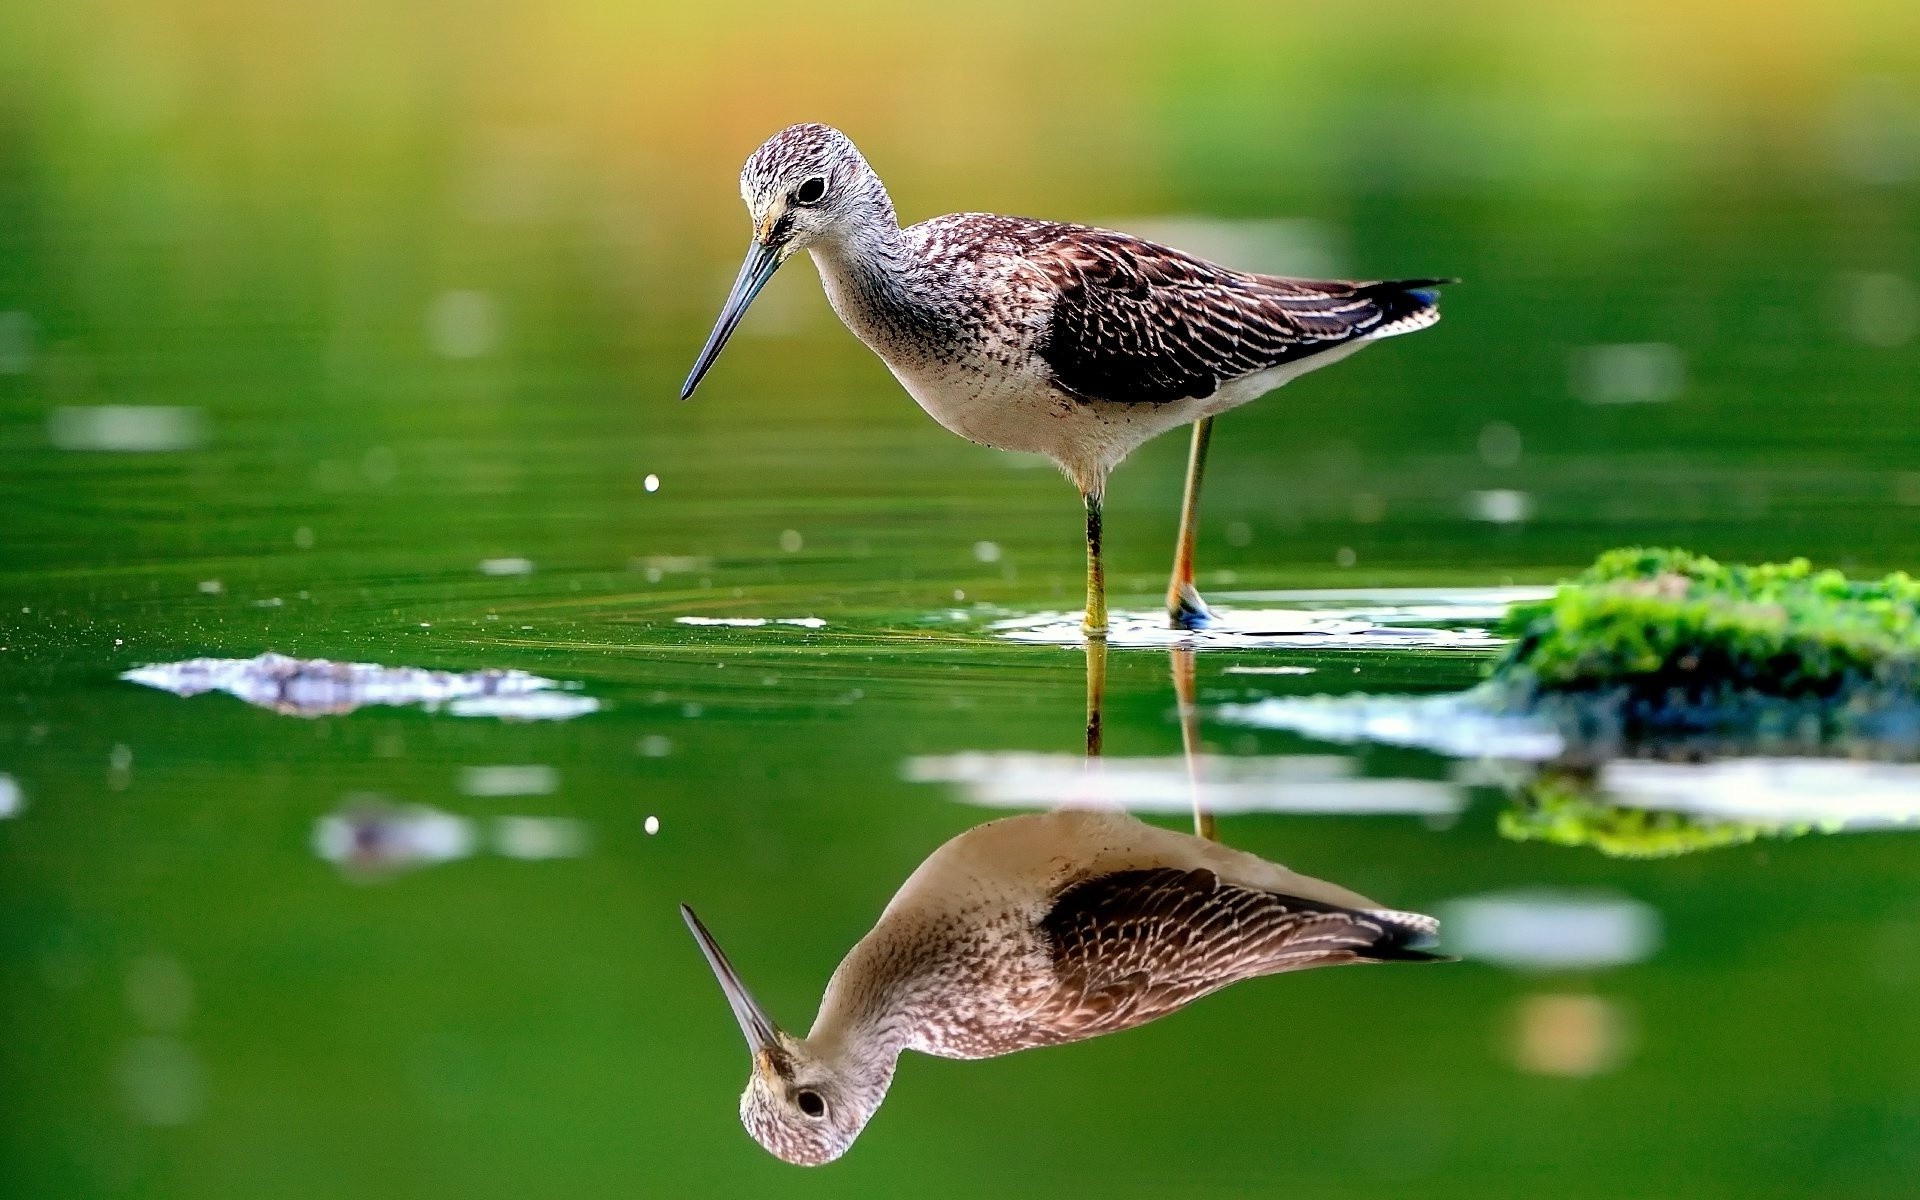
{"points": [[1137, 322], [1134, 945]]}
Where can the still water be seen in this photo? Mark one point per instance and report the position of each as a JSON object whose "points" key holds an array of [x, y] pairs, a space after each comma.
{"points": [[369, 359]]}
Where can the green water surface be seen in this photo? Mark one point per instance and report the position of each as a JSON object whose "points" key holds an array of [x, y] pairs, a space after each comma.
{"points": [[425, 289]]}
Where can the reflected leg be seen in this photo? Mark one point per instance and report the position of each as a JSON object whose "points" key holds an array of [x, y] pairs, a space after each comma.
{"points": [[1096, 694], [1183, 691], [1096, 620], [1185, 608]]}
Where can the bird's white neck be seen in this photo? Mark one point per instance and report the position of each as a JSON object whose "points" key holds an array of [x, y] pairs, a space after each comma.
{"points": [[869, 1011], [873, 281]]}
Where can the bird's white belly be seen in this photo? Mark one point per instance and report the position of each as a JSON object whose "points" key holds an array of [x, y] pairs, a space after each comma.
{"points": [[1023, 411]]}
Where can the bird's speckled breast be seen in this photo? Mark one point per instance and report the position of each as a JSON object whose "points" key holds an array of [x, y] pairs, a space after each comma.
{"points": [[959, 979], [958, 322]]}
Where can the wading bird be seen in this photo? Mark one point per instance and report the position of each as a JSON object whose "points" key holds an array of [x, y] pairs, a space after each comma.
{"points": [[1032, 931], [1063, 340]]}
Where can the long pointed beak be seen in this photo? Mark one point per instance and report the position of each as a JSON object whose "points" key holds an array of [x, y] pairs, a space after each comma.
{"points": [[762, 261], [754, 1022]]}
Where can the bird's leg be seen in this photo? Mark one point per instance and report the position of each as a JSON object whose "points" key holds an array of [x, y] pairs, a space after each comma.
{"points": [[1183, 691], [1096, 693], [1096, 621], [1185, 608]]}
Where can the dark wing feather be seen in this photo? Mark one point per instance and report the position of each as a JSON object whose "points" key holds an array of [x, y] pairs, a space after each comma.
{"points": [[1136, 322], [1134, 945]]}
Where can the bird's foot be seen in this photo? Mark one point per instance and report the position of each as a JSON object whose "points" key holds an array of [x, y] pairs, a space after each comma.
{"points": [[1186, 610]]}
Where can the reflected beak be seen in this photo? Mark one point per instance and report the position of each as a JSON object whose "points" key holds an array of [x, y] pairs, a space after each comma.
{"points": [[754, 1023], [762, 261]]}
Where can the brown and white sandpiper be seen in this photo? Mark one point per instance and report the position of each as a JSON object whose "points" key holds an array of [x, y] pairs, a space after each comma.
{"points": [[1063, 340]]}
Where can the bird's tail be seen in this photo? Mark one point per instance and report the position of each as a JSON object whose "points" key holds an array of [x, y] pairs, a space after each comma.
{"points": [[1404, 937], [1405, 304]]}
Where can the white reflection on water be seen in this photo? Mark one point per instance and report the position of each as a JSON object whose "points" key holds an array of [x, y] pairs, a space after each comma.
{"points": [[1830, 793], [1449, 724], [1500, 506], [753, 622], [1323, 783], [1241, 629], [127, 428], [370, 837], [317, 687], [12, 800], [516, 780], [539, 837], [1545, 930], [539, 706], [1394, 605]]}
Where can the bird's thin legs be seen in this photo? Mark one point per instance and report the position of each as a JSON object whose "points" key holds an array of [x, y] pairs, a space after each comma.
{"points": [[1183, 691], [1096, 694], [1096, 622], [1185, 608]]}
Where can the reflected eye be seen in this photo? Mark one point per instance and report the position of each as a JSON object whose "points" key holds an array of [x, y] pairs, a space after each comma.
{"points": [[811, 192], [810, 1102]]}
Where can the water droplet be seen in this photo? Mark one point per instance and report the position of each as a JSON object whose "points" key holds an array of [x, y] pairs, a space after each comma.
{"points": [[1501, 506]]}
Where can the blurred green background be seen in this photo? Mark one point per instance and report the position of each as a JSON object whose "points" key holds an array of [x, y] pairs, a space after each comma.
{"points": [[308, 311]]}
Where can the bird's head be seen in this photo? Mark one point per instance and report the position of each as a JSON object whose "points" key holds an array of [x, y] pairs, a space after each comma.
{"points": [[804, 1105], [805, 186]]}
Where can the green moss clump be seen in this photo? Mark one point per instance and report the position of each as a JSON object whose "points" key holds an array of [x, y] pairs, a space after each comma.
{"points": [[1563, 807], [1669, 642]]}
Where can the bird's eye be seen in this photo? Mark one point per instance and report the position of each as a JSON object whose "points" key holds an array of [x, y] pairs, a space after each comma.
{"points": [[810, 1102], [811, 192]]}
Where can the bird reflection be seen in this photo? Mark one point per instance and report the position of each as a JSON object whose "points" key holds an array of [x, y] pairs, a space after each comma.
{"points": [[1036, 930]]}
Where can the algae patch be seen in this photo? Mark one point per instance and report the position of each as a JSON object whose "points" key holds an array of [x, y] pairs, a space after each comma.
{"points": [[1649, 643]]}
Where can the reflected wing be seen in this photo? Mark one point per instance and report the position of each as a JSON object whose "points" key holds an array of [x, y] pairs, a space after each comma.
{"points": [[1134, 945], [1136, 322]]}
